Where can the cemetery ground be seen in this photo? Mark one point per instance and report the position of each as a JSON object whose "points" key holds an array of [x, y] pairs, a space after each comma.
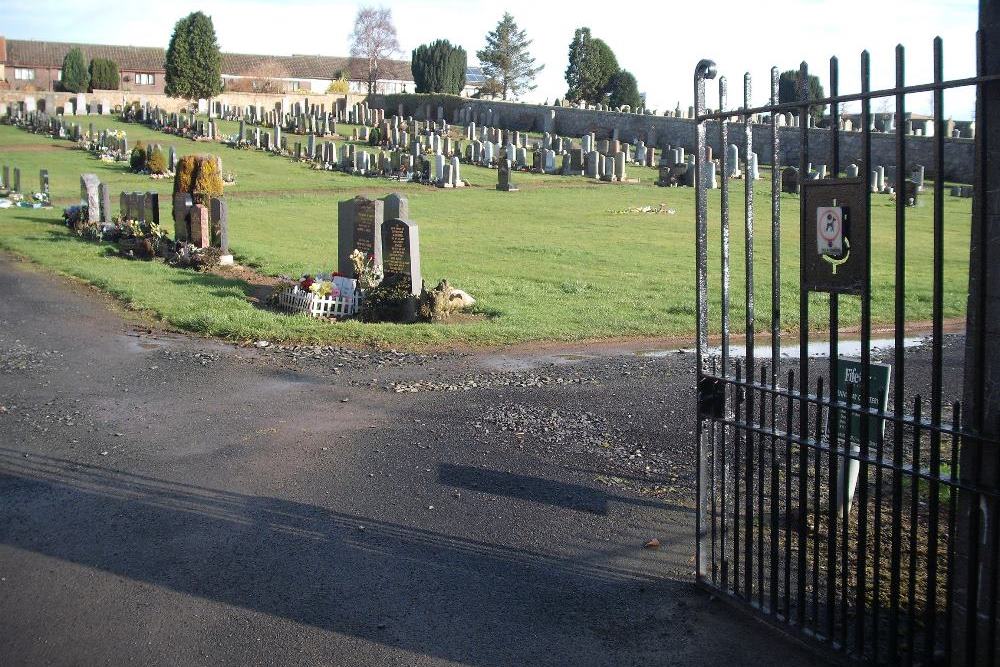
{"points": [[563, 259], [175, 500]]}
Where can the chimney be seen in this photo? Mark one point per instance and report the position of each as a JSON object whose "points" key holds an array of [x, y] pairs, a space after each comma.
{"points": [[3, 50]]}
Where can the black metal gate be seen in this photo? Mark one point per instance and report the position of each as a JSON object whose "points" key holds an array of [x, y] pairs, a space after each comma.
{"points": [[822, 505]]}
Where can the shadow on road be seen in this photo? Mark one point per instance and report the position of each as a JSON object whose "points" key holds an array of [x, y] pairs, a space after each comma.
{"points": [[424, 591]]}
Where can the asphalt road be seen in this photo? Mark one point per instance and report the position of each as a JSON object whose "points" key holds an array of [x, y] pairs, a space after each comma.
{"points": [[173, 500]]}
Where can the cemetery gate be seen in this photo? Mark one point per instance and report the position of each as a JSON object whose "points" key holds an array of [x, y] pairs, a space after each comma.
{"points": [[846, 501]]}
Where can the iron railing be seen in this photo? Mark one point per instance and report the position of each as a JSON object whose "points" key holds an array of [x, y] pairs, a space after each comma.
{"points": [[903, 575]]}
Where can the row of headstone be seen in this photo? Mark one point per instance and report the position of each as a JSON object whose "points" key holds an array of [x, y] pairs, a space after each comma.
{"points": [[140, 207], [381, 229], [12, 183]]}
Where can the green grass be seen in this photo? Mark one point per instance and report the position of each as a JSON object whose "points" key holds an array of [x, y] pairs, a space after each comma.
{"points": [[551, 262]]}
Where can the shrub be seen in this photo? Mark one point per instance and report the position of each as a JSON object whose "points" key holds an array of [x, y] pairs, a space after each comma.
{"points": [[207, 180], [375, 137], [198, 175], [184, 176], [339, 85], [138, 159], [157, 163]]}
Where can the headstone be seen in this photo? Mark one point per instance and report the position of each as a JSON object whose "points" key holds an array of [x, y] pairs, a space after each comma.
{"points": [[359, 227], [401, 252], [790, 180], [104, 196], [89, 196], [503, 177], [851, 171], [182, 212], [151, 207], [218, 211], [201, 226], [43, 181], [16, 184], [394, 206], [910, 190]]}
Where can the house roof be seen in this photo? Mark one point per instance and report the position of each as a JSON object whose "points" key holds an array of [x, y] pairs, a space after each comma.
{"points": [[31, 53]]}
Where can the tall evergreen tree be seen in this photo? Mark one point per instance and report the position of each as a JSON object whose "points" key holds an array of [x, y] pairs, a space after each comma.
{"points": [[439, 67], [592, 64], [104, 74], [193, 63], [75, 78], [506, 60], [788, 91], [623, 89]]}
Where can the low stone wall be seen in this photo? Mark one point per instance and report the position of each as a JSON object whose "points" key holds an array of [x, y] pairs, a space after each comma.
{"points": [[661, 131]]}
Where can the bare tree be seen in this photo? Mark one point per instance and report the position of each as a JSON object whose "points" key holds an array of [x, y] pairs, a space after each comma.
{"points": [[373, 42]]}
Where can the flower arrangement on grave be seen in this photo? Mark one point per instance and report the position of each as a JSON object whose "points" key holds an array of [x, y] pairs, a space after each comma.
{"points": [[320, 295], [368, 273]]}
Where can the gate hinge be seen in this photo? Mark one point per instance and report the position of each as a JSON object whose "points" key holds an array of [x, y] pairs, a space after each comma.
{"points": [[711, 398]]}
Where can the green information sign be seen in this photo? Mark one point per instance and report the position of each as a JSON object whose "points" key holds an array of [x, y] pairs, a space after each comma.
{"points": [[849, 373]]}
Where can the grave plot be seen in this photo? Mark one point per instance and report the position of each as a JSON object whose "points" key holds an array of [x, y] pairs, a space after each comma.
{"points": [[378, 275]]}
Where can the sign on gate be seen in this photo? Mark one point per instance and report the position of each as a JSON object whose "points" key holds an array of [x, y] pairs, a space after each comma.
{"points": [[849, 373], [834, 235]]}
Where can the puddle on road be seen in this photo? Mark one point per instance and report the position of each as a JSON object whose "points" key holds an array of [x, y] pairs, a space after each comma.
{"points": [[816, 349]]}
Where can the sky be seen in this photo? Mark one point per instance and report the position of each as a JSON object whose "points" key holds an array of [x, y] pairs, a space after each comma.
{"points": [[660, 42]]}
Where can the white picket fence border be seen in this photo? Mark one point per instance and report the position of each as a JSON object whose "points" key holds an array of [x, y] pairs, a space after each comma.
{"points": [[297, 300]]}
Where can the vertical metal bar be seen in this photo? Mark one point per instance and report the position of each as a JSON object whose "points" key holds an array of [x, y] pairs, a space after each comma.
{"points": [[911, 615], [776, 339], [953, 477], [866, 334], [803, 349], [775, 234], [775, 499], [750, 361], [789, 429], [899, 405], [737, 467], [817, 465], [834, 325], [725, 271], [937, 360], [705, 69], [845, 584], [760, 488]]}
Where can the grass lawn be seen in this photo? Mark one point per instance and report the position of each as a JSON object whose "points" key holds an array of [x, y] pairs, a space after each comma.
{"points": [[554, 261]]}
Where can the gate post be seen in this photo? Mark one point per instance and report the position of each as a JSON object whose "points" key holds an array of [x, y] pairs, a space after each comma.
{"points": [[978, 463]]}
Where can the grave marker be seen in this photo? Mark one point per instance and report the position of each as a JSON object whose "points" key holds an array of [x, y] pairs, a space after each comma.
{"points": [[359, 227], [401, 252]]}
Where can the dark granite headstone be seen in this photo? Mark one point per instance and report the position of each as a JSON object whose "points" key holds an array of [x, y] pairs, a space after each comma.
{"points": [[911, 190], [151, 207], [396, 206], [401, 252], [16, 184], [6, 177], [104, 197], [125, 206], [219, 215], [503, 177], [359, 227], [181, 213], [43, 181], [790, 180]]}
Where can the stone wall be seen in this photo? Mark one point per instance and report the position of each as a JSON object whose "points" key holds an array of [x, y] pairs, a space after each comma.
{"points": [[661, 130]]}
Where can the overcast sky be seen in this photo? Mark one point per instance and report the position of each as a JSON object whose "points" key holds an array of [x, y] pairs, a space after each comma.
{"points": [[660, 42]]}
